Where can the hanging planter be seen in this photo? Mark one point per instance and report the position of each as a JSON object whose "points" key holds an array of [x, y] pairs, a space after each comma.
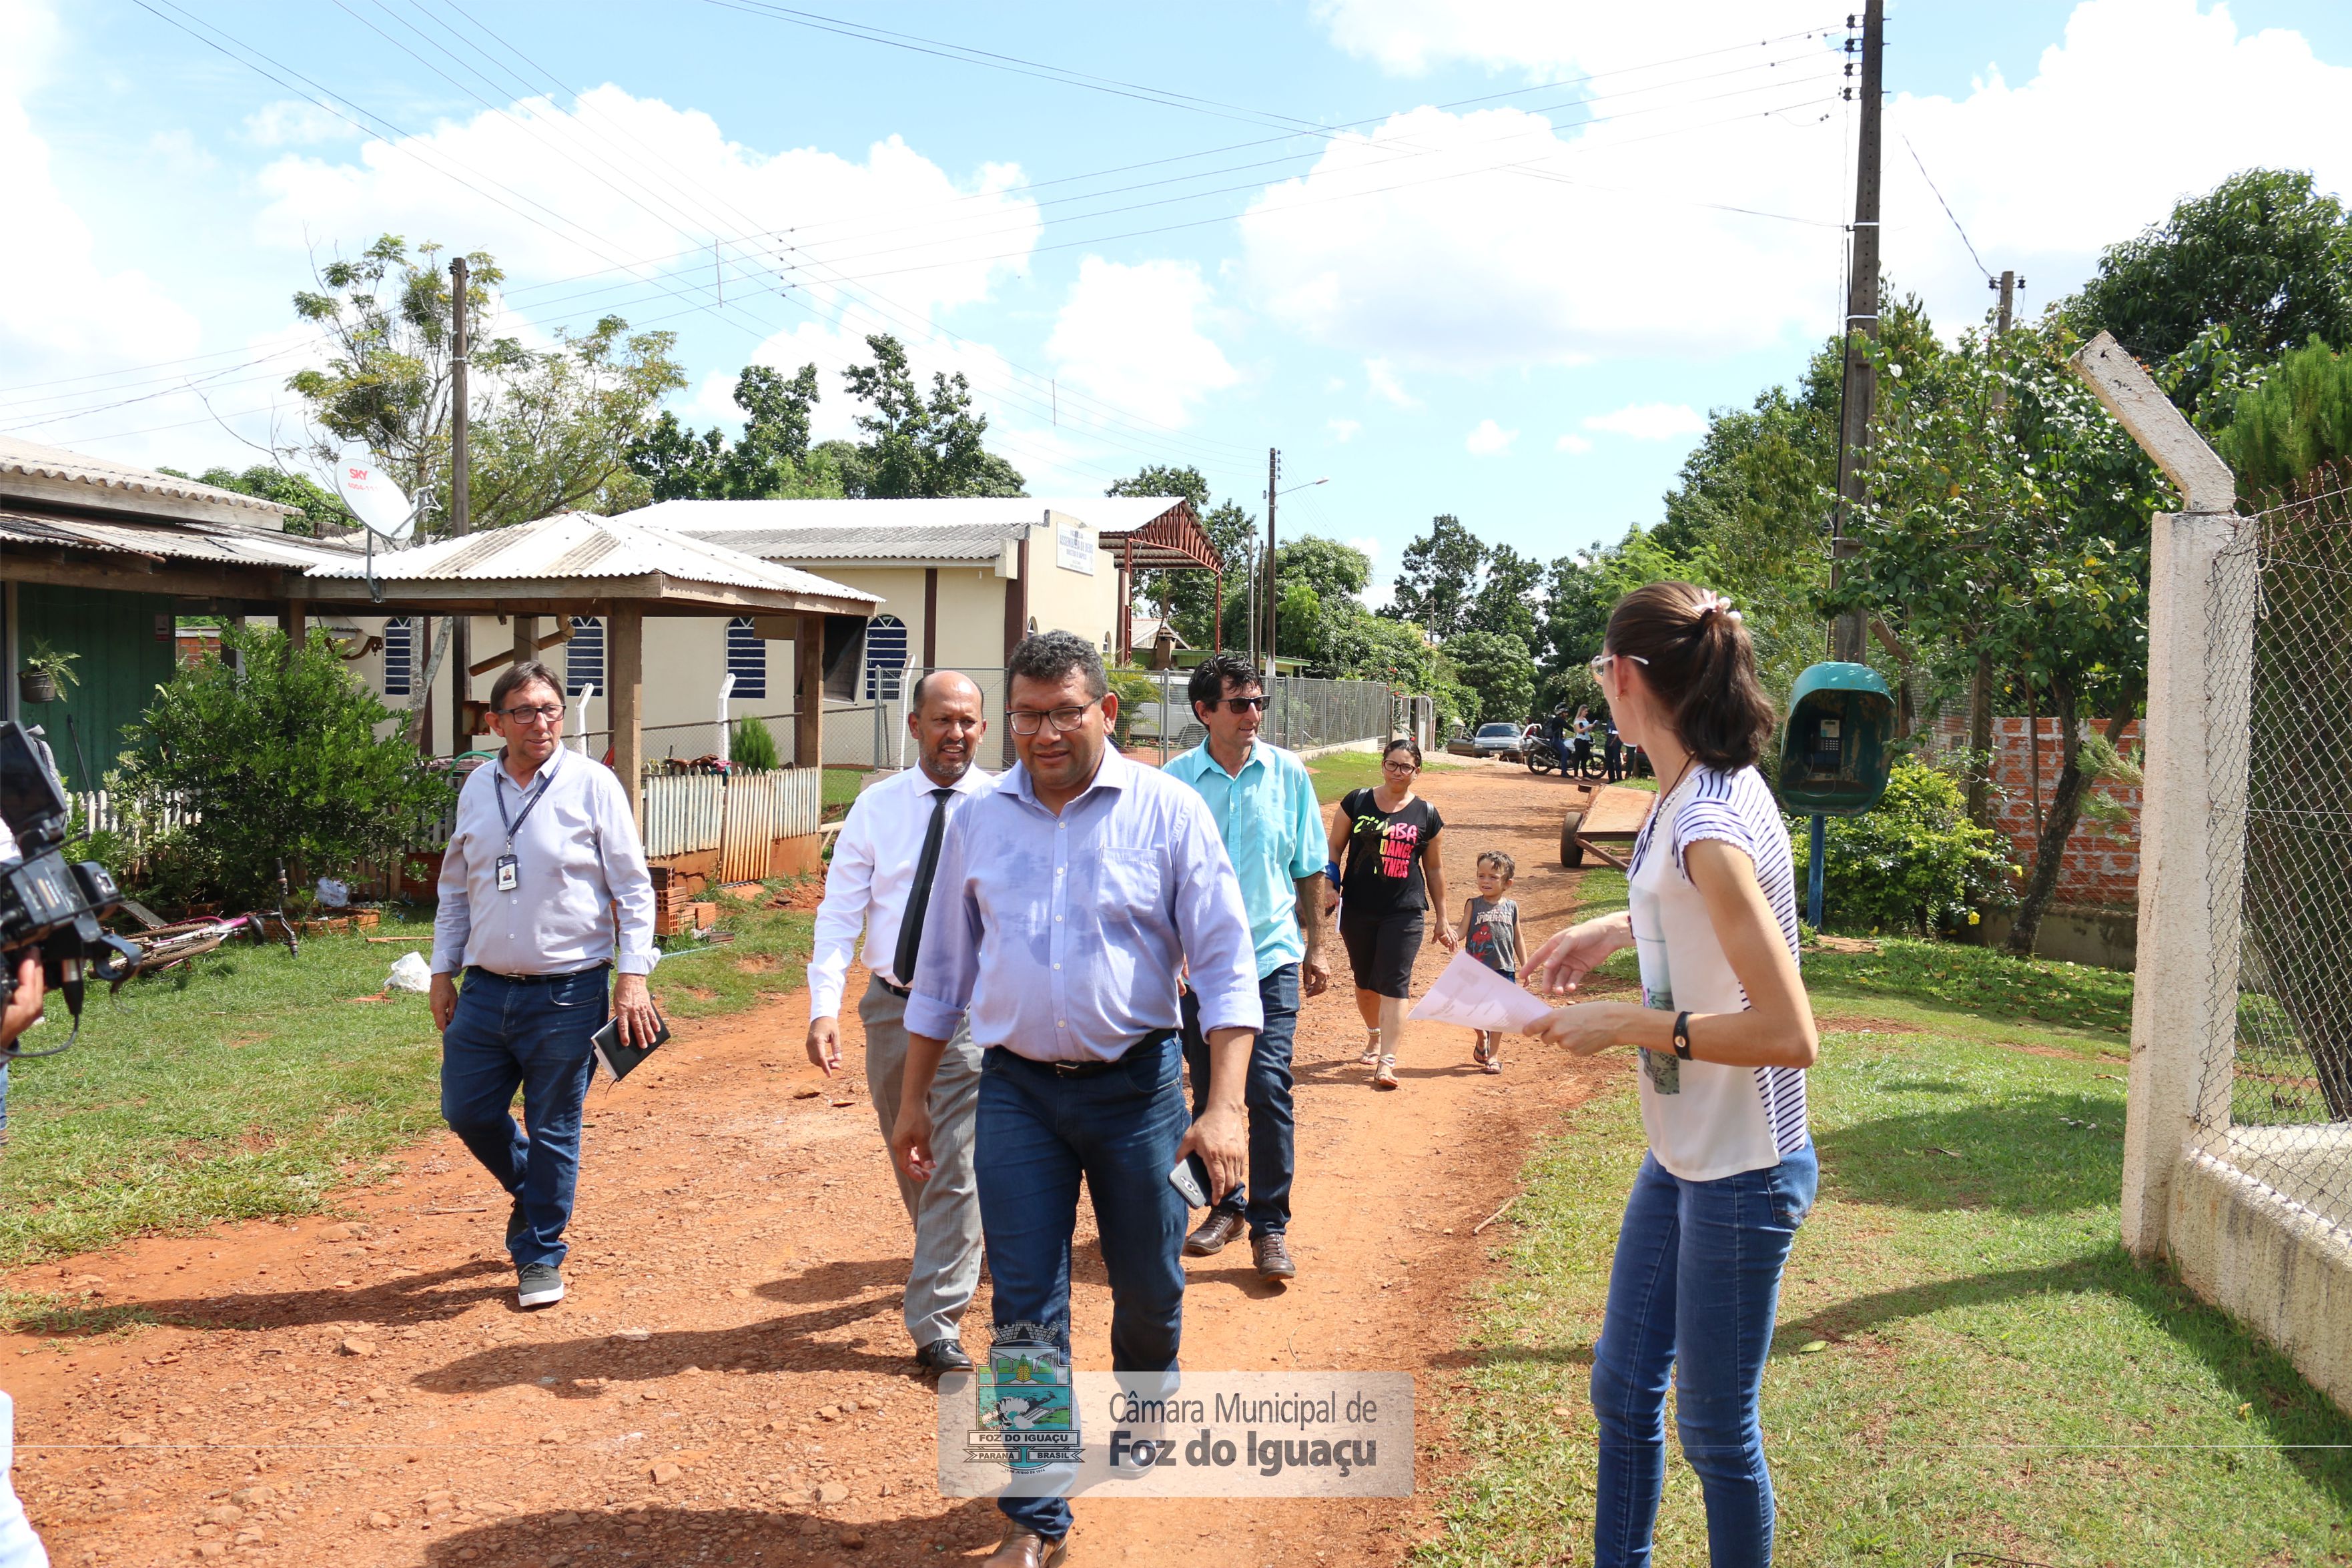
{"points": [[46, 674], [37, 686]]}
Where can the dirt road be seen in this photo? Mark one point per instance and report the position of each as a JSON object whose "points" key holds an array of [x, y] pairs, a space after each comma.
{"points": [[728, 1381]]}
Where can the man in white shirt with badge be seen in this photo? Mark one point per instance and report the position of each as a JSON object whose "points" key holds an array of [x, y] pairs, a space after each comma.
{"points": [[545, 851], [883, 865]]}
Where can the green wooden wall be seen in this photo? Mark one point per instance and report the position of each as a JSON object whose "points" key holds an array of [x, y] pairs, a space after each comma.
{"points": [[123, 662]]}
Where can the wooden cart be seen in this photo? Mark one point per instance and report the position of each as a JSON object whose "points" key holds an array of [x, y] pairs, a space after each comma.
{"points": [[1612, 814]]}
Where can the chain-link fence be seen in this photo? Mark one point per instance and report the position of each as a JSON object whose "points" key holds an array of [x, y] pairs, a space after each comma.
{"points": [[2276, 1099]]}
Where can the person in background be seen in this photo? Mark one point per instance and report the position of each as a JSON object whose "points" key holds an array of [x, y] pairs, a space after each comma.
{"points": [[1724, 1034], [881, 870], [1388, 836], [1612, 753], [1581, 740], [1490, 933], [1263, 801], [1068, 902], [544, 889], [1556, 736]]}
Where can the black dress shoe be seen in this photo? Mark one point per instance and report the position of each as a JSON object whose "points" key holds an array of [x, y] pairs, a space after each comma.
{"points": [[1220, 1227], [943, 1355]]}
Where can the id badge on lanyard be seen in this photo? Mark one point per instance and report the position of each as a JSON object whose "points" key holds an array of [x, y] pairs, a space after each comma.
{"points": [[509, 869]]}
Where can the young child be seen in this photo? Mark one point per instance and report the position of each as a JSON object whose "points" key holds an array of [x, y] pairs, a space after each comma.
{"points": [[1490, 932]]}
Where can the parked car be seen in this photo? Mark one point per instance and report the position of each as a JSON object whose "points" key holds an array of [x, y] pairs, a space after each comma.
{"points": [[1490, 740]]}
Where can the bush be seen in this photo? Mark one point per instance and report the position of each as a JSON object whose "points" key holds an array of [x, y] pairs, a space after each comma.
{"points": [[278, 761], [1913, 863], [1133, 690], [754, 745]]}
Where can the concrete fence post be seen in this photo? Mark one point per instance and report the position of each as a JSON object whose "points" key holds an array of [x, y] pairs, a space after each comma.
{"points": [[2192, 860]]}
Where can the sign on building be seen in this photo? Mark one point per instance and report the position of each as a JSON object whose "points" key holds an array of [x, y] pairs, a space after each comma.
{"points": [[1075, 548]]}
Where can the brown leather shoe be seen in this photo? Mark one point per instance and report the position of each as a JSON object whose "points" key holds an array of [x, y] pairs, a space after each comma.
{"points": [[1024, 1548], [1272, 1255], [1220, 1227]]}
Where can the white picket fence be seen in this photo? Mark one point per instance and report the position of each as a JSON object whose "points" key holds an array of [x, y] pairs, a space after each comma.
{"points": [[100, 813], [739, 815]]}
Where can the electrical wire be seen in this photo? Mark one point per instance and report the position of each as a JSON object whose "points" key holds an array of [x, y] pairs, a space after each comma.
{"points": [[1946, 206]]}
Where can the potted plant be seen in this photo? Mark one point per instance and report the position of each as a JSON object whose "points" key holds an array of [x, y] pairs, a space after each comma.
{"points": [[46, 673]]}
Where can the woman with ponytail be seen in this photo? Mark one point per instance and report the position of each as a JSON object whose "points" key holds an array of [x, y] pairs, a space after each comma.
{"points": [[1723, 1034]]}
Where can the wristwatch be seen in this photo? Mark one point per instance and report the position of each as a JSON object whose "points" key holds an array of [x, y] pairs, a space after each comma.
{"points": [[1682, 1035]]}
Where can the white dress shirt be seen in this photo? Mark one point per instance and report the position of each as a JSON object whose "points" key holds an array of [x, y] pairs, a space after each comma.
{"points": [[577, 856], [872, 872], [1063, 936]]}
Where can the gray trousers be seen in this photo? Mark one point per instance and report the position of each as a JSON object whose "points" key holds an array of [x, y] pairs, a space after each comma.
{"points": [[945, 1209]]}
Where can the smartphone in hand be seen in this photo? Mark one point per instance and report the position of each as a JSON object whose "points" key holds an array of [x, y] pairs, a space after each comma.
{"points": [[1190, 1177]]}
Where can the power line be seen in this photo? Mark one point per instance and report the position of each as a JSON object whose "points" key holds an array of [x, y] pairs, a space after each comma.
{"points": [[1947, 207]]}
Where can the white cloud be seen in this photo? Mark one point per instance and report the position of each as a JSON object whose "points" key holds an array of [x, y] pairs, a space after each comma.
{"points": [[1648, 422], [1410, 243], [1380, 380], [177, 151], [1367, 543], [637, 181], [65, 309], [1489, 439], [1572, 443], [1409, 36], [1343, 430], [295, 123], [1131, 334]]}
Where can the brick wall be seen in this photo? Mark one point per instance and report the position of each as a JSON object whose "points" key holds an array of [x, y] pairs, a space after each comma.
{"points": [[2101, 865]]}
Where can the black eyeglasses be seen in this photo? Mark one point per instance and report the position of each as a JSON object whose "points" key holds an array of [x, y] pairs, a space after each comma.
{"points": [[545, 712], [1029, 721], [1243, 704]]}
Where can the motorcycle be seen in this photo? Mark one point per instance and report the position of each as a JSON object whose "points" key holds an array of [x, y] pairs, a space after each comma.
{"points": [[1543, 757]]}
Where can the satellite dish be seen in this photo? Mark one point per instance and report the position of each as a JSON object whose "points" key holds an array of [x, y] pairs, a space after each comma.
{"points": [[373, 498]]}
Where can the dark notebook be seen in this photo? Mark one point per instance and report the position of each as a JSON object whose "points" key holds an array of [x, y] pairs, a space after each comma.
{"points": [[619, 1061]]}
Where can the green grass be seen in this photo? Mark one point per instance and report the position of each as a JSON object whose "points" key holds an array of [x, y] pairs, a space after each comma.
{"points": [[251, 1084], [1337, 772], [1966, 1359], [838, 787]]}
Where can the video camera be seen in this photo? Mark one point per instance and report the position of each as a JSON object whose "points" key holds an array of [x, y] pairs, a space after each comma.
{"points": [[45, 901]]}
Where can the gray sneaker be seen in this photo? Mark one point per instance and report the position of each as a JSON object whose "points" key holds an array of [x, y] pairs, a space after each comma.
{"points": [[539, 1285]]}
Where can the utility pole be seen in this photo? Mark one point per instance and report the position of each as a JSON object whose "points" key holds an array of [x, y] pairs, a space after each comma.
{"points": [[1861, 389], [1273, 483], [1979, 787], [461, 500]]}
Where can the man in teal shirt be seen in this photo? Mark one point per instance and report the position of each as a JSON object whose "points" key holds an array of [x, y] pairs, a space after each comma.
{"points": [[1263, 802]]}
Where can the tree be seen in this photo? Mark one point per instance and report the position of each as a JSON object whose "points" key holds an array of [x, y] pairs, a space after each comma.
{"points": [[549, 428], [1505, 603], [274, 758], [772, 459], [1335, 571], [319, 509], [2297, 420], [1438, 579], [2264, 253], [2016, 526], [1498, 666], [918, 444]]}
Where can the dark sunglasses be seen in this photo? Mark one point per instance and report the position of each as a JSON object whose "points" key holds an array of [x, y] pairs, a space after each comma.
{"points": [[1243, 704]]}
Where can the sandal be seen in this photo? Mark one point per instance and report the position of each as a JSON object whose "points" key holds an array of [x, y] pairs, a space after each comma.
{"points": [[1482, 1050], [1494, 1063], [1384, 1077], [1371, 1057]]}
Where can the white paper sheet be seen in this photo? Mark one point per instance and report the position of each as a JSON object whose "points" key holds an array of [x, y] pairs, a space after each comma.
{"points": [[1469, 993]]}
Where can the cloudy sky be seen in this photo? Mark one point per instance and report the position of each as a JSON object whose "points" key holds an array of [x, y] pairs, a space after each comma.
{"points": [[1495, 258]]}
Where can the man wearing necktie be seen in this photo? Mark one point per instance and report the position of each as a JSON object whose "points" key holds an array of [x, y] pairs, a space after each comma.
{"points": [[880, 879], [1068, 902]]}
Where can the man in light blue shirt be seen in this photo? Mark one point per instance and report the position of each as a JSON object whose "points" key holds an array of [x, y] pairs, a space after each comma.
{"points": [[1263, 802], [1063, 907]]}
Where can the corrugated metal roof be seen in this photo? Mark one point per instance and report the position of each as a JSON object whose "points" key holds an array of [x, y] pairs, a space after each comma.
{"points": [[230, 544], [827, 541], [714, 519], [581, 544], [33, 460]]}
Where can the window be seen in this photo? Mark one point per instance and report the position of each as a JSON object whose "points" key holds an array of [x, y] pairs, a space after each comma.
{"points": [[583, 657], [746, 658], [399, 656], [886, 658]]}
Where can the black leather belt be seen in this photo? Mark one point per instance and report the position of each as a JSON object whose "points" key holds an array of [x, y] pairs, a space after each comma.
{"points": [[892, 986], [1157, 1039], [537, 979]]}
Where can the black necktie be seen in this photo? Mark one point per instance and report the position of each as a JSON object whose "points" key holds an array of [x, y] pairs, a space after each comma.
{"points": [[918, 897]]}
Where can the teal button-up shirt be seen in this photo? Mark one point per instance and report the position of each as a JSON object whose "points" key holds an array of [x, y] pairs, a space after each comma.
{"points": [[1273, 830]]}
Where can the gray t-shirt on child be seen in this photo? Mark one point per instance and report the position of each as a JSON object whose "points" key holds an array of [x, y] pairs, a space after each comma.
{"points": [[1493, 938]]}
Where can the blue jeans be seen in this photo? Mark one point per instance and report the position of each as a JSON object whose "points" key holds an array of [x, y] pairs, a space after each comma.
{"points": [[1264, 1198], [506, 1035], [1694, 1289], [1036, 1135]]}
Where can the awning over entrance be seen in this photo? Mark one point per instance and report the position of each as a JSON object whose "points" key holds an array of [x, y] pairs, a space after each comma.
{"points": [[1172, 542]]}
